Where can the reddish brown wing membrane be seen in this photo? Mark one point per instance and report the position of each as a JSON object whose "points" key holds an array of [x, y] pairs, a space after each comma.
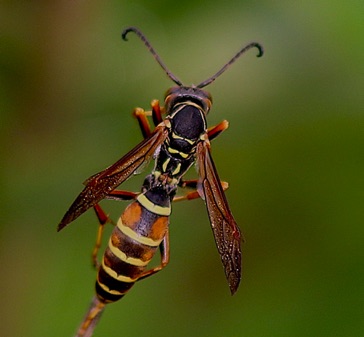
{"points": [[226, 232], [102, 183]]}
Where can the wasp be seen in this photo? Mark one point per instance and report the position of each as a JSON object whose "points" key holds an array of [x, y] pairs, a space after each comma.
{"points": [[178, 141]]}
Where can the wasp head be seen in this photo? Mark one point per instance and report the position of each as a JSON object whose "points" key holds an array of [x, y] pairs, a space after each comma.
{"points": [[180, 94]]}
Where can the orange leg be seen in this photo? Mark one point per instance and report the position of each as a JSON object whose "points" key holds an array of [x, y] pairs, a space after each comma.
{"points": [[143, 121], [194, 185], [215, 131], [164, 250], [157, 112], [142, 116], [121, 195], [104, 218]]}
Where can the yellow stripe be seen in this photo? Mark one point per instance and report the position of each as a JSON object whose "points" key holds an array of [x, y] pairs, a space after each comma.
{"points": [[108, 290], [183, 155], [177, 169], [165, 164], [122, 256], [175, 136], [186, 103], [115, 276], [156, 209], [141, 239]]}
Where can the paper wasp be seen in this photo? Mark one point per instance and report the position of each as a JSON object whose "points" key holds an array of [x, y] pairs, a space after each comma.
{"points": [[176, 143]]}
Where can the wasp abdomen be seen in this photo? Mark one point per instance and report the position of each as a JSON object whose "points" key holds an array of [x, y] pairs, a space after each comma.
{"points": [[133, 243]]}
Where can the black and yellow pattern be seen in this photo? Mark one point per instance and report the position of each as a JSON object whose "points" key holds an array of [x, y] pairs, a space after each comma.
{"points": [[133, 243], [178, 141]]}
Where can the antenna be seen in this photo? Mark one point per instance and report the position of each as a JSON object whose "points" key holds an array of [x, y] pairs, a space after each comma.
{"points": [[228, 64], [153, 52], [171, 75]]}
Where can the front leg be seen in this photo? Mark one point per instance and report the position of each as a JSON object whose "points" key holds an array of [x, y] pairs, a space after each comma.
{"points": [[142, 116], [215, 131]]}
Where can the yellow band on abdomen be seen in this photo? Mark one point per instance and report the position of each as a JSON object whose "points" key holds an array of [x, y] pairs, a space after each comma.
{"points": [[151, 207], [135, 236], [123, 257], [115, 276]]}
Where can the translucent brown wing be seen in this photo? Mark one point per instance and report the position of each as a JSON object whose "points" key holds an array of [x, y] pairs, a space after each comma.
{"points": [[226, 231], [102, 183]]}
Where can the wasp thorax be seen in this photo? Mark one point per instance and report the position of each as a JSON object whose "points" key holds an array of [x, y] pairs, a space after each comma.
{"points": [[188, 121]]}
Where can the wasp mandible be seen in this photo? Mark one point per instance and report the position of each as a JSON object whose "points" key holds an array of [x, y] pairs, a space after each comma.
{"points": [[178, 141]]}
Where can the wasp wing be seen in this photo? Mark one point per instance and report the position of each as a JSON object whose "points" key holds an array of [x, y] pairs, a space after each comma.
{"points": [[102, 183], [226, 231]]}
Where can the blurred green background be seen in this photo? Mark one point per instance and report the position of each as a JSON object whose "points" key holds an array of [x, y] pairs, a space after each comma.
{"points": [[294, 157]]}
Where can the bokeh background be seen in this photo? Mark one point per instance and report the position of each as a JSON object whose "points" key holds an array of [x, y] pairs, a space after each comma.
{"points": [[294, 157]]}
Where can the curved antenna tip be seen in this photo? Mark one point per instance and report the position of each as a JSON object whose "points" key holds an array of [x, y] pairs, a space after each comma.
{"points": [[260, 49], [125, 32]]}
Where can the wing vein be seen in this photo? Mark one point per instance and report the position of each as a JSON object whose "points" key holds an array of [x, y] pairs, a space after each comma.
{"points": [[226, 231], [100, 184]]}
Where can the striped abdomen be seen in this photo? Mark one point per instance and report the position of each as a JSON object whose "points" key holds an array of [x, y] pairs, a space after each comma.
{"points": [[133, 243]]}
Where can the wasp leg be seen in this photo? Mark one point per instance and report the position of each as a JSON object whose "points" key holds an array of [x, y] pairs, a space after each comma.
{"points": [[157, 112], [194, 194], [142, 116], [144, 125], [214, 131], [121, 195], [103, 219], [164, 250]]}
